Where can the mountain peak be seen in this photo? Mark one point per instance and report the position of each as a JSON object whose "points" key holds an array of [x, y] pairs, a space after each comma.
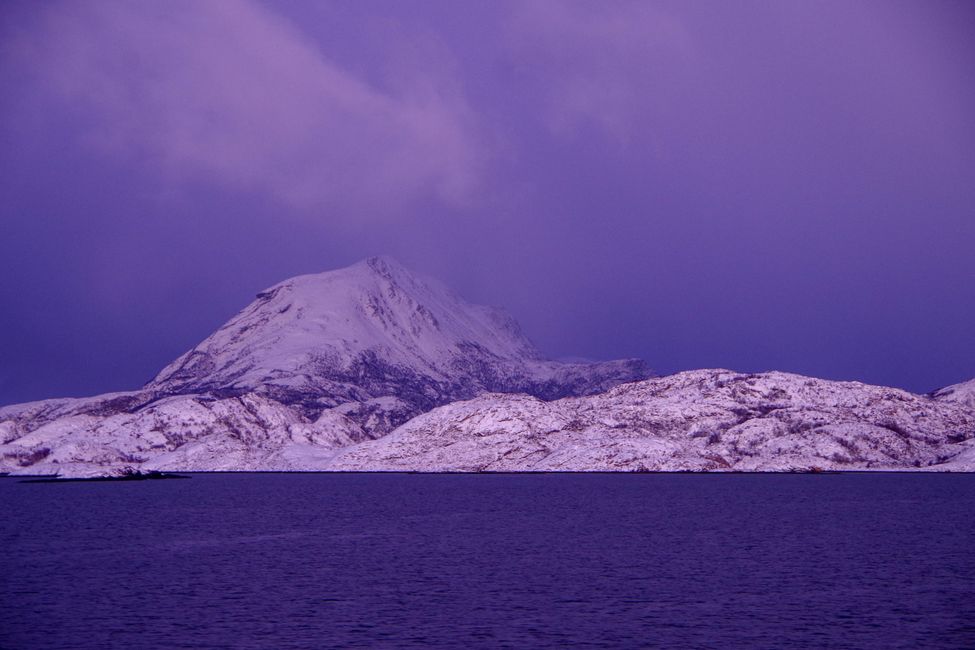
{"points": [[374, 329], [384, 266]]}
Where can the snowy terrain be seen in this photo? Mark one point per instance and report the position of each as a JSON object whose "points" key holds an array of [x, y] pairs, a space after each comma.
{"points": [[375, 330], [373, 368], [959, 393], [704, 420], [314, 363]]}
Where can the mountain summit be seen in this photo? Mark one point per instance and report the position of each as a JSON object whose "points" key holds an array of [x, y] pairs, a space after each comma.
{"points": [[322, 326], [374, 330]]}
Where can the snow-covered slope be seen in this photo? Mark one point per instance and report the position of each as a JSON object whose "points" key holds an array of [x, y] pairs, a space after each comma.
{"points": [[192, 432], [701, 420], [963, 393], [315, 363], [372, 330], [705, 420]]}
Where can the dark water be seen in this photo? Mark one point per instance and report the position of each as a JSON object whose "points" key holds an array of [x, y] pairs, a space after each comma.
{"points": [[313, 561]]}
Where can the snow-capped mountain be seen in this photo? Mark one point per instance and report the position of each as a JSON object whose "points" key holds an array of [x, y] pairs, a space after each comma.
{"points": [[373, 368], [375, 330], [324, 360]]}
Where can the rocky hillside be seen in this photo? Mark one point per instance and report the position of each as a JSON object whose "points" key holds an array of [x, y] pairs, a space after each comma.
{"points": [[959, 393], [705, 420]]}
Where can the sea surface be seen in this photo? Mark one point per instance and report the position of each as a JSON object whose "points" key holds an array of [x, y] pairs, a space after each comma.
{"points": [[520, 561]]}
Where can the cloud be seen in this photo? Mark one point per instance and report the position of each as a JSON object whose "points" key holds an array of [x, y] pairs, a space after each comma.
{"points": [[231, 93], [600, 64]]}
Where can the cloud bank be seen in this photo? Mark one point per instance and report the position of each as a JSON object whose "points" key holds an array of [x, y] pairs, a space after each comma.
{"points": [[602, 64], [231, 92]]}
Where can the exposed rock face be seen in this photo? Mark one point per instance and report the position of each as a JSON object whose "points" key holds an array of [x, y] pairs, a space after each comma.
{"points": [[705, 420]]}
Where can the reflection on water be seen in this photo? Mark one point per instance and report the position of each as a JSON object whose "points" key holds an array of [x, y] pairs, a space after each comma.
{"points": [[310, 561]]}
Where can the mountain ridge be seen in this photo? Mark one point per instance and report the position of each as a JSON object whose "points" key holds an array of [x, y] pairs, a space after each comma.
{"points": [[372, 367], [699, 420]]}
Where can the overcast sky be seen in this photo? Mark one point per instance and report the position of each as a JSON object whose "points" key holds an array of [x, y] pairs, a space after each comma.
{"points": [[773, 185]]}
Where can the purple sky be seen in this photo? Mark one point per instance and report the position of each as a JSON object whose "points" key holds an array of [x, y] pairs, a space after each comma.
{"points": [[774, 185]]}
